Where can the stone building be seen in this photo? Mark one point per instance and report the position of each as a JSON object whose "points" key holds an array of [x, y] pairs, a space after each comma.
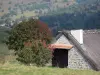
{"points": [[81, 51]]}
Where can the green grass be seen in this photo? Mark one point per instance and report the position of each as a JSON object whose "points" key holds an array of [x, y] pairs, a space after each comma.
{"points": [[26, 14], [19, 69], [3, 36], [3, 49]]}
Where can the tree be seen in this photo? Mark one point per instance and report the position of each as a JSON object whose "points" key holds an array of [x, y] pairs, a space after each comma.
{"points": [[2, 21], [9, 8], [2, 10], [65, 0], [29, 39], [9, 2]]}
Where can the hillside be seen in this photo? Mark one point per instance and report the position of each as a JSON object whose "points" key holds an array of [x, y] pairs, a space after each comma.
{"points": [[16, 7], [14, 10], [59, 14], [7, 6]]}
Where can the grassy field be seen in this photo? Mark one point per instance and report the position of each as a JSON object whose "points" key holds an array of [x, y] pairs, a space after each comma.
{"points": [[3, 49], [19, 69], [26, 14], [3, 36]]}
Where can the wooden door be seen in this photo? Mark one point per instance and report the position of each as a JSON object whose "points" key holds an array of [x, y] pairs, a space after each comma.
{"points": [[60, 58]]}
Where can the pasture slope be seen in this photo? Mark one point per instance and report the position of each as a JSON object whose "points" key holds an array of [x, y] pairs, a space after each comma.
{"points": [[20, 69]]}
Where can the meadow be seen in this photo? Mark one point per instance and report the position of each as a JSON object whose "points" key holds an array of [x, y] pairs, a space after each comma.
{"points": [[20, 69], [26, 14]]}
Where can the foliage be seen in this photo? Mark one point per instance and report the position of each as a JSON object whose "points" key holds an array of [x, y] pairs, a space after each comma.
{"points": [[37, 54], [65, 0], [74, 20], [30, 34], [9, 8], [27, 31], [2, 10], [9, 2]]}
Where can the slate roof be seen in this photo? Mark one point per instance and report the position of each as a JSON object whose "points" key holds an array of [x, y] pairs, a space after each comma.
{"points": [[90, 50], [91, 40]]}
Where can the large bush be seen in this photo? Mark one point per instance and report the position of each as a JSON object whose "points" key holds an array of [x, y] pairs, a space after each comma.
{"points": [[29, 39], [39, 55]]}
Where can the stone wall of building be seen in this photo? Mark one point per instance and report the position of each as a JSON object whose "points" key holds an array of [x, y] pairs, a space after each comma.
{"points": [[76, 61], [62, 40]]}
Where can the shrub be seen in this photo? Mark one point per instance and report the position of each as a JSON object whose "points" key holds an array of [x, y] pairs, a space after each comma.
{"points": [[38, 55]]}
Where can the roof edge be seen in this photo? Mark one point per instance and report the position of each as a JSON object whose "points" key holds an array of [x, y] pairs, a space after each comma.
{"points": [[92, 63]]}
